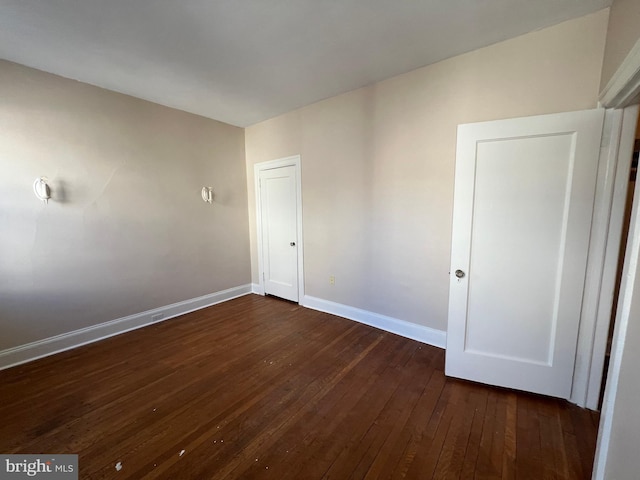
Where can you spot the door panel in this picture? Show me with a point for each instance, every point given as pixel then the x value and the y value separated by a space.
pixel 279 232
pixel 522 215
pixel 506 220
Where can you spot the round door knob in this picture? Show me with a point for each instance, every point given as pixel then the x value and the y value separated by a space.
pixel 293 244
pixel 460 273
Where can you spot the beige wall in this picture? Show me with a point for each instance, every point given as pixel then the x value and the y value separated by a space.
pixel 126 230
pixel 622 35
pixel 378 163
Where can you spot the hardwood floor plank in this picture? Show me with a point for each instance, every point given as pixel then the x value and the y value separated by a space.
pixel 309 395
pixel 236 417
pixel 350 421
pixel 479 406
pixel 486 468
pixel 259 388
pixel 387 425
pixel 457 439
pixel 509 445
pixel 586 436
pixel 578 467
pixel 390 462
pixel 419 424
pixel 553 457
pixel 528 451
pixel 432 441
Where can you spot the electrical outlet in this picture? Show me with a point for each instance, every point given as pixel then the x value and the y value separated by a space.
pixel 332 280
pixel 157 316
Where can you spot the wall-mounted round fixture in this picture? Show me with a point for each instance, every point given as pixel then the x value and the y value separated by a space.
pixel 207 194
pixel 41 189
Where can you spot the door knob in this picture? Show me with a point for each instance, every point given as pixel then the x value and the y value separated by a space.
pixel 460 273
pixel 293 244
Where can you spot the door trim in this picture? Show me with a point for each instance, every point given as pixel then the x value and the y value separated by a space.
pixel 624 301
pixel 293 161
pixel 623 89
pixel 602 262
pixel 621 92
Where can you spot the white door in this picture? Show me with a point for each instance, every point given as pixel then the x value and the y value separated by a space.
pixel 524 194
pixel 279 232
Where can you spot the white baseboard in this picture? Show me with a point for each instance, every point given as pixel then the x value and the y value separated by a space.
pixel 66 341
pixel 257 289
pixel 430 336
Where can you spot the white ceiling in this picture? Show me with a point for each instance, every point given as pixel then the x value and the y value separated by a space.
pixel 243 61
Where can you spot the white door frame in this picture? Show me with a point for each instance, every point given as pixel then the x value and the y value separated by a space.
pixel 293 161
pixel 622 92
pixel 602 263
pixel 618 97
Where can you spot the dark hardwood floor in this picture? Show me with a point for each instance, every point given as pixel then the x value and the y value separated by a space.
pixel 261 388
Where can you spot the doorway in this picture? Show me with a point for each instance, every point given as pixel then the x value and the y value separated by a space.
pixel 622 251
pixel 524 196
pixel 279 228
